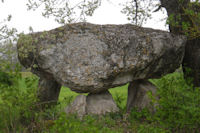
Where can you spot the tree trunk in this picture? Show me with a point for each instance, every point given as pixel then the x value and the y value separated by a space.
pixel 191 61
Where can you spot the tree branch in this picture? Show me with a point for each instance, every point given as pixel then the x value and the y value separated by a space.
pixel 136 11
pixel 159 7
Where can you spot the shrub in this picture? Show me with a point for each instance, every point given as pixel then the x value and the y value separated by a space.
pixel 16 105
pixel 178 108
pixel 88 124
pixel 179 104
pixel 6 78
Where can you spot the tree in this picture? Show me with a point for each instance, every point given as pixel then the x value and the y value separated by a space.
pixel 64 11
pixel 5 31
pixel 7 49
pixel 184 18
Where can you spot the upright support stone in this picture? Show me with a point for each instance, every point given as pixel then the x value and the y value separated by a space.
pixel 138 95
pixel 98 104
pixel 78 106
pixel 48 91
pixel 101 103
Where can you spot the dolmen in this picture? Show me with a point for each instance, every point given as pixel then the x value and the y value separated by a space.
pixel 90 58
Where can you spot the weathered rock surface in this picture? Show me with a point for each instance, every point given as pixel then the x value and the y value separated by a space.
pixel 139 97
pixel 93 58
pixel 101 103
pixel 78 106
pixel 97 104
pixel 48 91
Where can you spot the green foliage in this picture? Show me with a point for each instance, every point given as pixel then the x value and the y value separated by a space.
pixel 65 11
pixel 185 19
pixel 179 107
pixel 119 98
pixel 8 56
pixel 6 78
pixel 89 124
pixel 5 31
pixel 148 128
pixel 16 104
pixel 25 43
pixel 138 11
pixel 178 110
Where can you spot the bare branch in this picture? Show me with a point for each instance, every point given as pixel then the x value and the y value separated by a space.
pixel 136 11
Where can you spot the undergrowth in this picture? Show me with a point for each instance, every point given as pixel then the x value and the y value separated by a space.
pixel 178 109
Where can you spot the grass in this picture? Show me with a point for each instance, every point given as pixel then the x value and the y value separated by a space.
pixel 66 92
pixel 66 95
pixel 117 92
pixel 178 110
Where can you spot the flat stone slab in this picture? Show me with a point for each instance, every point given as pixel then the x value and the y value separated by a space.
pixel 92 58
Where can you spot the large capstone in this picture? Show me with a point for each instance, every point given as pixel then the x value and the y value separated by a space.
pixel 93 58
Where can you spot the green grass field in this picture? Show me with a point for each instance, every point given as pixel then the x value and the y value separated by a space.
pixel 178 110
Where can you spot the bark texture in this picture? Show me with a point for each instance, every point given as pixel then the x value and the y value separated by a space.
pixel 191 65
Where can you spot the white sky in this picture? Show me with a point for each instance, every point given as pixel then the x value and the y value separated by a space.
pixel 106 14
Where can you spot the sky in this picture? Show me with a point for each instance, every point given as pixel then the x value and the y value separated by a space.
pixel 108 13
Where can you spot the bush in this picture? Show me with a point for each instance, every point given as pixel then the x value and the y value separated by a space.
pixel 6 78
pixel 178 110
pixel 16 104
pixel 179 104
pixel 88 124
